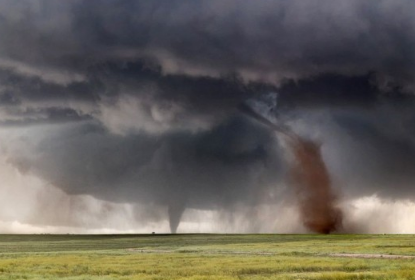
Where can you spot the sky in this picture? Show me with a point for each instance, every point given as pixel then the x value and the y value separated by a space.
pixel 122 116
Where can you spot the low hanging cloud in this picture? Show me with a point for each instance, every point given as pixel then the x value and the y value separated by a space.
pixel 135 102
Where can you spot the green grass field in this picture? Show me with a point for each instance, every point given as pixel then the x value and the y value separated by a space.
pixel 205 257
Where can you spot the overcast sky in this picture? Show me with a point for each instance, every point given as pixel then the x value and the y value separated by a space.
pixel 120 116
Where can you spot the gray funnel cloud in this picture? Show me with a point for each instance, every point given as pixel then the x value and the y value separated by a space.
pixel 175 211
pixel 264 109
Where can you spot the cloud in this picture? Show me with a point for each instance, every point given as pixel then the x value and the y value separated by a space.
pixel 271 39
pixel 370 214
pixel 214 169
pixel 136 101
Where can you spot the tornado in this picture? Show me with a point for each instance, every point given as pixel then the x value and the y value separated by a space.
pixel 312 185
pixel 175 212
pixel 308 174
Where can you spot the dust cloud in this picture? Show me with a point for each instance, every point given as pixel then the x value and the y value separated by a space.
pixel 308 174
pixel 312 185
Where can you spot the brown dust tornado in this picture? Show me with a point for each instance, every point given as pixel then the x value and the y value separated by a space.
pixel 309 177
pixel 312 185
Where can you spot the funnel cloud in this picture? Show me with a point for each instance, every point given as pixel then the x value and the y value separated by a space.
pixel 317 202
pixel 116 113
pixel 308 175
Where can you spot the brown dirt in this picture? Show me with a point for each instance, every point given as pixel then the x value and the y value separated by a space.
pixel 144 251
pixel 372 256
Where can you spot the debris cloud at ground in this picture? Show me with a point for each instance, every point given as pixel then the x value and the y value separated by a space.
pixel 312 185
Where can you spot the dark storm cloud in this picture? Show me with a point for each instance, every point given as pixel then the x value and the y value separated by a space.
pixel 236 162
pixel 49 115
pixel 285 38
pixel 270 41
pixel 212 167
pixel 329 91
pixel 34 89
pixel 146 94
pixel 379 151
pixel 292 38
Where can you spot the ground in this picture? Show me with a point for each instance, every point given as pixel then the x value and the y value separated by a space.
pixel 207 257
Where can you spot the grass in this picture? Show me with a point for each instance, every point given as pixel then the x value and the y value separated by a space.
pixel 203 257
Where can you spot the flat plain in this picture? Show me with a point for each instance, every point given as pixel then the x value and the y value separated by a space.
pixel 207 256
